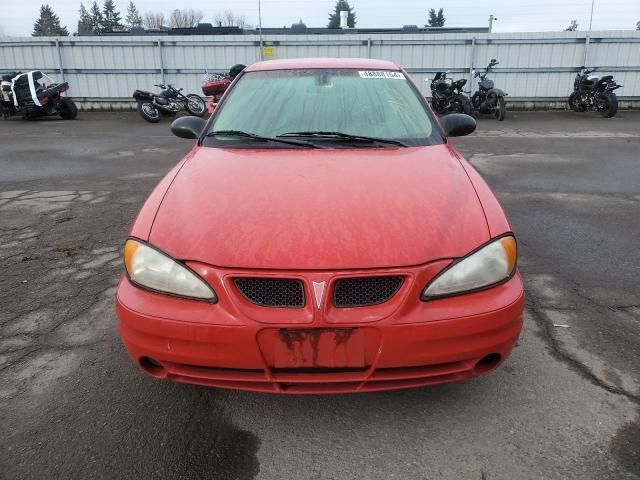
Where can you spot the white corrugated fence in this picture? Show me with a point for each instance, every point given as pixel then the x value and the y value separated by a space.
pixel 534 67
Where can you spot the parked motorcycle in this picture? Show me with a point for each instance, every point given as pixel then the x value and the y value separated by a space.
pixel 213 86
pixel 594 93
pixel 447 96
pixel 34 94
pixel 152 106
pixel 488 99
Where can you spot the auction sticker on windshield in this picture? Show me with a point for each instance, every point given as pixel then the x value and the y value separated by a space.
pixel 381 74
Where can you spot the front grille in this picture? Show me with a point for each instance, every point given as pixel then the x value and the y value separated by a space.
pixel 272 292
pixel 364 291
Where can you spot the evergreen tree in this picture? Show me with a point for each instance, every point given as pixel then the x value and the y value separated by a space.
pixel 133 20
pixel 84 24
pixel 48 24
pixel 110 17
pixel 299 26
pixel 436 19
pixel 96 19
pixel 334 17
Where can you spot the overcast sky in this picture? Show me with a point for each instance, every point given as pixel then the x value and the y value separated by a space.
pixel 17 17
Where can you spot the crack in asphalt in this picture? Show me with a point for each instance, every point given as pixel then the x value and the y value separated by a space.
pixel 545 296
pixel 56 302
pixel 558 352
pixel 52 289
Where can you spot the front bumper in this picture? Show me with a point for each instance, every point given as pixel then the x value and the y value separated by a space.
pixel 421 344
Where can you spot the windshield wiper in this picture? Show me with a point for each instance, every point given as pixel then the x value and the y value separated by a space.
pixel 240 133
pixel 342 136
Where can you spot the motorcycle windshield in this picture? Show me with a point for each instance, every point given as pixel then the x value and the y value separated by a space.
pixel 488 84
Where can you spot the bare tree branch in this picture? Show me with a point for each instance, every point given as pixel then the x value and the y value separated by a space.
pixel 230 19
pixel 154 21
pixel 185 18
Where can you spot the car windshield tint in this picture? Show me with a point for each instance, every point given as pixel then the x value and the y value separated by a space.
pixel 381 104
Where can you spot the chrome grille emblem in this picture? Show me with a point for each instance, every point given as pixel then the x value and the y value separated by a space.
pixel 318 291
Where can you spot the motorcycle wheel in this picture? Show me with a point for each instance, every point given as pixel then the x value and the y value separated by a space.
pixel 148 112
pixel 574 104
pixel 500 111
pixel 610 104
pixel 68 109
pixel 437 109
pixel 466 105
pixel 195 105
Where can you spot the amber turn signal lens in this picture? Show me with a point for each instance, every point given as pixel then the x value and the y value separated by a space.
pixel 130 249
pixel 511 250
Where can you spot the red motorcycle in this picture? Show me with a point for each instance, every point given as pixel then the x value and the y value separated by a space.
pixel 215 84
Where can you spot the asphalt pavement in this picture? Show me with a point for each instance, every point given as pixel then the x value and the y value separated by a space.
pixel 566 405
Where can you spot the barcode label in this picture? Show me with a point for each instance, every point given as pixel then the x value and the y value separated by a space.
pixel 381 74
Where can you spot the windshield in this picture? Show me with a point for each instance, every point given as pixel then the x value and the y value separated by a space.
pixel 379 104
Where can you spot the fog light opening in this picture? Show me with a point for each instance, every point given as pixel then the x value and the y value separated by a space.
pixel 488 363
pixel 152 367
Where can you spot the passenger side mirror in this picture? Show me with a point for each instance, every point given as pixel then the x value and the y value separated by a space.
pixel 457 124
pixel 188 127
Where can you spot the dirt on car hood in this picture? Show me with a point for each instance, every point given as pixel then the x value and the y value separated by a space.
pixel 320 209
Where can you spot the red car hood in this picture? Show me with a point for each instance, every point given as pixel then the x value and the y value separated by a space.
pixel 320 209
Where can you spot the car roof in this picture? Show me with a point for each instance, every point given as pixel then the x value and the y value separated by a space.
pixel 296 63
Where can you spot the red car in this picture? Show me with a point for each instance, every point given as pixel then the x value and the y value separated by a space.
pixel 322 236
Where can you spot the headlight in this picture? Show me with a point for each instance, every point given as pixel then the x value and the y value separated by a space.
pixel 152 269
pixel 488 266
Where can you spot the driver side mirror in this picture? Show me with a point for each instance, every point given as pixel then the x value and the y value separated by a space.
pixel 188 127
pixel 457 124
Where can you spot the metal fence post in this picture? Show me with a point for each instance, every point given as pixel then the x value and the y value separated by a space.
pixel 161 61
pixel 369 47
pixel 587 42
pixel 472 55
pixel 60 66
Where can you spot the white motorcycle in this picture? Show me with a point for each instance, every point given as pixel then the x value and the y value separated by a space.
pixel 34 94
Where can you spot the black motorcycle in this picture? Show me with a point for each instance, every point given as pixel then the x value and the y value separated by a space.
pixel 447 95
pixel 169 102
pixel 488 99
pixel 594 93
pixel 33 94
